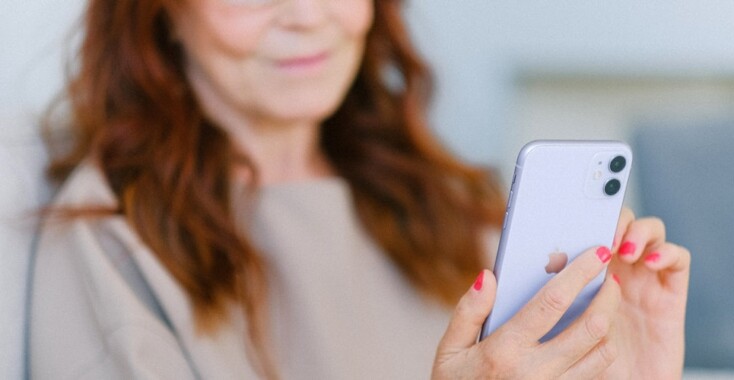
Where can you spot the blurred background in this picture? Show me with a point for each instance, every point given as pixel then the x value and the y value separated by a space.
pixel 657 74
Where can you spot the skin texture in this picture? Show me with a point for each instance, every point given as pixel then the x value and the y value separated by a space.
pixel 269 75
pixel 632 329
pixel 654 293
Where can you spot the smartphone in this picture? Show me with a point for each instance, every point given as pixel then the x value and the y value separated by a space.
pixel 566 197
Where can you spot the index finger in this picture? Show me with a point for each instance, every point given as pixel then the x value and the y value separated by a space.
pixel 626 217
pixel 547 307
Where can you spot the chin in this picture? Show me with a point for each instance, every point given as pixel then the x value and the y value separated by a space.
pixel 307 109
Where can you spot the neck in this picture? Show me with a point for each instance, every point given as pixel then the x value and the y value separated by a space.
pixel 280 150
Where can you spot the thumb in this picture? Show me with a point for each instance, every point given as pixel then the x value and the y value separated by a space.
pixel 469 315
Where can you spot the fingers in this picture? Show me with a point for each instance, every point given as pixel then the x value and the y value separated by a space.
pixel 470 313
pixel 641 235
pixel 626 217
pixel 585 343
pixel 544 310
pixel 595 362
pixel 672 259
pixel 643 246
pixel 644 243
pixel 667 256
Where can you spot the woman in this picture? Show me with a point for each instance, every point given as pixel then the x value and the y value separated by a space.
pixel 252 190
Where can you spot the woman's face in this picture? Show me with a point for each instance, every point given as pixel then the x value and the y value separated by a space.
pixel 275 61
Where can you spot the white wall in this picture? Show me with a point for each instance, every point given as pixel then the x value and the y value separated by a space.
pixel 31 32
pixel 481 46
pixel 32 35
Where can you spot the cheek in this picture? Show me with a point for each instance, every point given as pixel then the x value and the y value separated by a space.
pixel 230 31
pixel 355 16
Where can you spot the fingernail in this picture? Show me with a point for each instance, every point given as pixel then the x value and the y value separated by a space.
pixel 652 258
pixel 604 254
pixel 615 278
pixel 478 282
pixel 627 248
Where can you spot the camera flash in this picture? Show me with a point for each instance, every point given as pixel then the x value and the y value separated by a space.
pixel 597 174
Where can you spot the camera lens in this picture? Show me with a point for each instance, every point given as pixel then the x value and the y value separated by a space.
pixel 612 187
pixel 617 165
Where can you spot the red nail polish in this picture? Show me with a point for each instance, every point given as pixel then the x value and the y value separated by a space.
pixel 479 281
pixel 615 278
pixel 604 254
pixel 652 258
pixel 627 248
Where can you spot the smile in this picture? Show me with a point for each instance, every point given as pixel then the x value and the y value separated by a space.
pixel 303 64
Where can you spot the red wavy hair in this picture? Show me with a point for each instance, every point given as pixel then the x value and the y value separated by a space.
pixel 134 112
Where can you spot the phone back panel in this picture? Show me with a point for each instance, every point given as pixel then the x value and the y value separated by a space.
pixel 557 203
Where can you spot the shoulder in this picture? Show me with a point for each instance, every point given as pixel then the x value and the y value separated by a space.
pixel 87 311
pixel 86 186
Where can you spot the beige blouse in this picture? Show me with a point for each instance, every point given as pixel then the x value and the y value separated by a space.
pixel 104 308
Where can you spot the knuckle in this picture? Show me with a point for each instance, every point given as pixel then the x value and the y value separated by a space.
pixel 657 224
pixel 555 299
pixel 492 360
pixel 607 352
pixel 597 326
pixel 507 349
pixel 463 311
pixel 500 364
pixel 628 214
pixel 649 226
pixel 513 338
pixel 657 221
pixel 685 254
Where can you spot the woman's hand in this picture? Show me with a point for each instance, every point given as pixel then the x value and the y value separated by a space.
pixel 584 350
pixel 653 278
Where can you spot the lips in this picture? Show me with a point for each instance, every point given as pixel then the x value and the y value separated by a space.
pixel 303 63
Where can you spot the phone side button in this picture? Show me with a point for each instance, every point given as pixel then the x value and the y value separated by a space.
pixel 509 200
pixel 504 222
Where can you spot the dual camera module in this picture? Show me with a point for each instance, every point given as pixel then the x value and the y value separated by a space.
pixel 613 186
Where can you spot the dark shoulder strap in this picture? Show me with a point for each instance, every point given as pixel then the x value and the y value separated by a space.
pixel 27 306
pixel 120 258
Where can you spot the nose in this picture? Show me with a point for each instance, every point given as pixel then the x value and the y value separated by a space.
pixel 304 14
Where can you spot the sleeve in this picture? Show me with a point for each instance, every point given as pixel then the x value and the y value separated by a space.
pixel 87 322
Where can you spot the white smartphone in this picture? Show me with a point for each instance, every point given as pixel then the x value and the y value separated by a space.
pixel 566 197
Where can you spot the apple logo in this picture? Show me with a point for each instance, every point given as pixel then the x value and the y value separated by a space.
pixel 556 262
